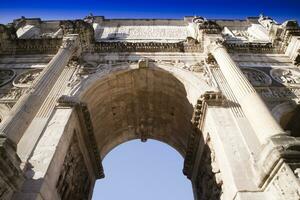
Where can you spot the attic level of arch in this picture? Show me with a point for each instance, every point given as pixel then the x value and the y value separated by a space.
pixel 100 35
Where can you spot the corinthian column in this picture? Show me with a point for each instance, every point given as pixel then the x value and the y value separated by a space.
pixel 28 105
pixel 254 108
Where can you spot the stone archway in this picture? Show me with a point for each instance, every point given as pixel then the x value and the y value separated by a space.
pixel 132 102
pixel 143 170
pixel 139 103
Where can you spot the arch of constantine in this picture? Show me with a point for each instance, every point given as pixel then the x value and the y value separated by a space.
pixel 223 93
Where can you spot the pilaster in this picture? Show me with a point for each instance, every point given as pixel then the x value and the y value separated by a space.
pixel 200 164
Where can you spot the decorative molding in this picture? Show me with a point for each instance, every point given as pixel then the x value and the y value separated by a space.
pixel 207 26
pixel 87 125
pixel 256 77
pixel 30 46
pixel 287 77
pixel 74 181
pixel 11 95
pixel 252 47
pixel 189 45
pixel 209 181
pixel 208 98
pixel 27 78
pixel 6 76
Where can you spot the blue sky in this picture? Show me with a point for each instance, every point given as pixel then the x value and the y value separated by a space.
pixel 143 171
pixel 62 9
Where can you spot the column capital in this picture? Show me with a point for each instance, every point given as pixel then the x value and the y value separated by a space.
pixel 71 42
pixel 216 44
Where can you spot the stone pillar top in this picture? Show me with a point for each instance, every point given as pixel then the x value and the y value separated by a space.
pixel 71 42
pixel 215 44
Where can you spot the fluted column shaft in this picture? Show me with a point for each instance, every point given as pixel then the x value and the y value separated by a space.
pixel 28 105
pixel 253 106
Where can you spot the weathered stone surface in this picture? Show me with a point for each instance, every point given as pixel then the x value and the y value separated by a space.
pixel 223 93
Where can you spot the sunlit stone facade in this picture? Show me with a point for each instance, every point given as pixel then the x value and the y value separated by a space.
pixel 223 93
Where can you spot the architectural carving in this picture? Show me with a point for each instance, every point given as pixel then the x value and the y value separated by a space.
pixel 11 176
pixel 84 116
pixel 6 75
pixel 278 94
pixel 207 26
pixel 209 180
pixel 288 77
pixel 266 22
pixel 257 77
pixel 74 181
pixel 11 95
pixel 184 46
pixel 205 87
pixel 209 98
pixel 26 79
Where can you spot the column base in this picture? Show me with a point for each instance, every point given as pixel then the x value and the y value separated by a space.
pixel 280 152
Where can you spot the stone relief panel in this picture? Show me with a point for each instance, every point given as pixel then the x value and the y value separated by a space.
pixel 26 79
pixel 74 181
pixel 278 93
pixel 287 77
pixel 257 77
pixel 142 33
pixel 272 76
pixel 6 75
pixel 15 82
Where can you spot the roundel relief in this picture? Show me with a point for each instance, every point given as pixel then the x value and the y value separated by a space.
pixel 257 77
pixel 6 75
pixel 287 77
pixel 27 78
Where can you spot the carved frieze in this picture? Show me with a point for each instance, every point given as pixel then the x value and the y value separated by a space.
pixel 252 47
pixel 74 181
pixel 26 79
pixel 278 93
pixel 257 77
pixel 287 77
pixel 11 95
pixel 185 46
pixel 6 75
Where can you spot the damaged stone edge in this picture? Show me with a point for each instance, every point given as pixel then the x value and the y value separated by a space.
pixel 86 123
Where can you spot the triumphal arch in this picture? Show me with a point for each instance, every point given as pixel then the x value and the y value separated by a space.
pixel 223 93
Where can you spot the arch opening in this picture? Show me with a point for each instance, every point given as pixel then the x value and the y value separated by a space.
pixel 143 171
pixel 128 102
pixel 141 103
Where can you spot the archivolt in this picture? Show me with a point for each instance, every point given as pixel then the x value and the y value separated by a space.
pixel 127 102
